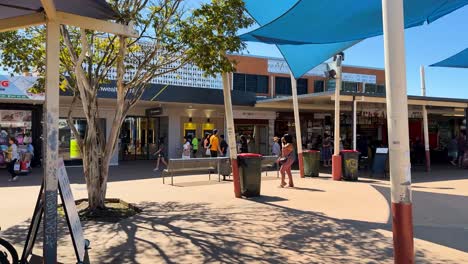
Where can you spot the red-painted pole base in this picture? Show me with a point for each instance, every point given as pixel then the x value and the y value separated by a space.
pixel 403 233
pixel 336 167
pixel 428 161
pixel 301 165
pixel 236 178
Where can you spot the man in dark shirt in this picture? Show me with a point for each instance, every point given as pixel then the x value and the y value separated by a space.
pixel 224 146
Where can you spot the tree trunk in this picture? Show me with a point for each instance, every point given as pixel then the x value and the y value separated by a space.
pixel 92 167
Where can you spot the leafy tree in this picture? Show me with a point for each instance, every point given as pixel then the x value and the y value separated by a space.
pixel 169 38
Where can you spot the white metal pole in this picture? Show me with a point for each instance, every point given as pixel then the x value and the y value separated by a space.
pixel 425 121
pixel 231 134
pixel 398 132
pixel 51 120
pixel 297 122
pixel 336 159
pixel 354 123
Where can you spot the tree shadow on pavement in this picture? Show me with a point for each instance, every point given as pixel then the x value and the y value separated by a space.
pixel 259 231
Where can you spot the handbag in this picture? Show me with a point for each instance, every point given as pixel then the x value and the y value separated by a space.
pixel 282 160
pixel 17 167
pixel 208 152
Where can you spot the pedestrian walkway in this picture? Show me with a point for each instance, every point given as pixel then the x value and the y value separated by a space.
pixel 319 221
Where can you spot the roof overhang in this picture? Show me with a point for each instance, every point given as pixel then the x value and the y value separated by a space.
pixel 50 13
pixel 325 101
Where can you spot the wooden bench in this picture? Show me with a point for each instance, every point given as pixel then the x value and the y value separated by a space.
pixel 192 165
pixel 269 162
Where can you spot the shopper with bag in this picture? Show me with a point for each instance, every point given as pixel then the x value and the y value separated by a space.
pixel 286 160
pixel 206 146
pixel 13 165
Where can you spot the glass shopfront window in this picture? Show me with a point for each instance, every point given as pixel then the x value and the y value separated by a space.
pixel 139 137
pixel 68 145
pixel 17 124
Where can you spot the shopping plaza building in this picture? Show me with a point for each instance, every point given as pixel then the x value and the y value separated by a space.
pixel 186 102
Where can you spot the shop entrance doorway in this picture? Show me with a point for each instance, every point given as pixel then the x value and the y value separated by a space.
pixel 139 137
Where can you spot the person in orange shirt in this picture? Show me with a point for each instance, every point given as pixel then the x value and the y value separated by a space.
pixel 214 144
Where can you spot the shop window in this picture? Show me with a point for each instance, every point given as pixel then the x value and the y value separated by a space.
pixel 68 145
pixel 17 124
pixel 250 83
pixel 375 89
pixel 283 86
pixel 350 87
pixel 319 86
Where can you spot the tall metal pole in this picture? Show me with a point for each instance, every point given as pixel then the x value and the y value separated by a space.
pixel 336 159
pixel 398 132
pixel 354 123
pixel 51 121
pixel 231 134
pixel 297 122
pixel 425 121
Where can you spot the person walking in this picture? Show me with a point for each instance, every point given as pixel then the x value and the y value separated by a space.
pixel 326 151
pixel 160 154
pixel 195 146
pixel 453 150
pixel 14 157
pixel 214 144
pixel 286 160
pixel 224 146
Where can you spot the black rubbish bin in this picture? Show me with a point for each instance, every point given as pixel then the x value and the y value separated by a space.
pixel 250 172
pixel 311 163
pixel 350 164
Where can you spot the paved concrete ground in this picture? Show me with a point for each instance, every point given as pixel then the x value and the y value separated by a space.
pixel 196 221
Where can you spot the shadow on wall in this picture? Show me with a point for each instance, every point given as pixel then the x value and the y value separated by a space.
pixel 200 233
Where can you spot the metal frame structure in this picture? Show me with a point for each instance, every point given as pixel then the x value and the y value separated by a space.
pixel 52 20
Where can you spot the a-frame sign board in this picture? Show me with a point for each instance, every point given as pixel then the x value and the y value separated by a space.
pixel 73 220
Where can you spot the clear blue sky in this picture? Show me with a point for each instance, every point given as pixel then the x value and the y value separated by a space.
pixel 424 45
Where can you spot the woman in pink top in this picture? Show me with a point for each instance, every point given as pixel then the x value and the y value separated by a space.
pixel 286 160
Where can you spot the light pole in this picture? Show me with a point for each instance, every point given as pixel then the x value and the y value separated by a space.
pixel 425 121
pixel 398 136
pixel 336 159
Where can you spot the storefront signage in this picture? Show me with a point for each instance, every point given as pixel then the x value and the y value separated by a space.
pixel 280 66
pixel 19 87
pixel 359 78
pixel 154 112
pixel 190 126
pixel 254 115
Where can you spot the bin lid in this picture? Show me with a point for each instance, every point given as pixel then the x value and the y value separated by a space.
pixel 310 151
pixel 250 155
pixel 349 151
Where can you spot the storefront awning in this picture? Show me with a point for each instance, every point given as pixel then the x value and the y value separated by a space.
pixel 459 60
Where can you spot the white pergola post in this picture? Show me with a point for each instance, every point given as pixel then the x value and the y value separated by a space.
pixel 51 120
pixel 425 121
pixel 297 126
pixel 336 159
pixel 398 132
pixel 231 134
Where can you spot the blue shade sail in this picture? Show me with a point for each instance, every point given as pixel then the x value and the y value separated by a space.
pixel 331 21
pixel 89 8
pixel 459 60
pixel 300 58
